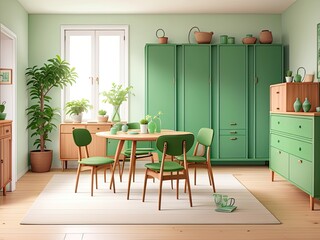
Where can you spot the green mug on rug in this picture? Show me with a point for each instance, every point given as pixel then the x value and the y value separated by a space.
pixel 222 200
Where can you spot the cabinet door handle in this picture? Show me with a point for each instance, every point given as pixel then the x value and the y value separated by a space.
pixel 300 161
pixel 278 108
pixel 233 132
pixel 233 124
pixel 1 161
pixel 233 139
pixel 277 92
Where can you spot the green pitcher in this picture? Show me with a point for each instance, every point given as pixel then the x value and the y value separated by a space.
pixel 2 107
pixel 298 77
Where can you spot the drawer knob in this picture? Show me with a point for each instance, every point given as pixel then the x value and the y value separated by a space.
pixel 278 141
pixel 277 92
pixel 233 132
pixel 1 161
pixel 278 122
pixel 278 109
pixel 98 128
pixel 73 127
pixel 7 131
pixel 299 126
pixel 233 138
pixel 300 149
pixel 279 152
pixel 300 161
pixel 233 124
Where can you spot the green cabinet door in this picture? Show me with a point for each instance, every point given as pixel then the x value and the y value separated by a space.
pixel 268 69
pixel 232 87
pixel 197 83
pixel 160 66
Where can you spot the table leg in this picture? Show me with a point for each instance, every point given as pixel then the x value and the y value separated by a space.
pixel 116 161
pixel 132 165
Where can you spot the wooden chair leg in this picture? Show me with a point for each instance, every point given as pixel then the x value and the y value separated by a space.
pixel 177 185
pixel 77 178
pixel 195 175
pixel 96 174
pixel 189 189
pixel 160 194
pixel 92 177
pixel 211 178
pixel 145 185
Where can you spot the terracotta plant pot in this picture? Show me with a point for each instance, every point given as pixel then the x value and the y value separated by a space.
pixel 40 161
pixel 162 39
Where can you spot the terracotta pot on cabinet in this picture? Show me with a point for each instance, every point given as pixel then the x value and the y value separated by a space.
pixel 265 37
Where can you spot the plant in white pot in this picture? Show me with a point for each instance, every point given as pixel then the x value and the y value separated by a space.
pixel 56 73
pixel 76 108
pixel 115 97
pixel 289 76
pixel 102 116
pixel 144 125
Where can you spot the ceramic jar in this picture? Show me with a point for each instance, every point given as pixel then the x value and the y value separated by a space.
pixel 265 37
pixel 297 105
pixel 151 127
pixel 124 128
pixel 223 39
pixel 306 105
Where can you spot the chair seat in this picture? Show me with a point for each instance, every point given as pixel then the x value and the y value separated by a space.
pixel 168 166
pixel 198 159
pixel 96 161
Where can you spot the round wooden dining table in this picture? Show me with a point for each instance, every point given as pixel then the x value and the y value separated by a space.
pixel 134 136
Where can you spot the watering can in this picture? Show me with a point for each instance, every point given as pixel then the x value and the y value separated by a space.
pixel 298 77
pixel 2 107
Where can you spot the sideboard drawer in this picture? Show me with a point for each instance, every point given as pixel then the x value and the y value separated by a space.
pixel 295 147
pixel 279 161
pixel 301 173
pixel 66 128
pixel 298 126
pixel 98 128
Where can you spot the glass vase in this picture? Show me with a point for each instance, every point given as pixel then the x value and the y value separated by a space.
pixel 297 105
pixel 157 121
pixel 116 114
pixel 306 106
pixel 151 127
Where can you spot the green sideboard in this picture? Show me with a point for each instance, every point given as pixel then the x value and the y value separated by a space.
pixel 295 150
pixel 224 87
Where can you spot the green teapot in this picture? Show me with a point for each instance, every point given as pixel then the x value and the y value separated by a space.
pixel 298 77
pixel 2 107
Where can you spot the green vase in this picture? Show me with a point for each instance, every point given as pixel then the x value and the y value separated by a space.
pixel 157 121
pixel 116 114
pixel 297 105
pixel 306 105
pixel 151 127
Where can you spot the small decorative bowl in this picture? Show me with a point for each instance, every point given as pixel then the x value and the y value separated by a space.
pixel 249 40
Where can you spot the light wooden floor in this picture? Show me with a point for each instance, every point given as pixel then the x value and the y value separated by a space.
pixel 289 204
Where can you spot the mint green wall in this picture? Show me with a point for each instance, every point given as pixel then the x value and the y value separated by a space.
pixel 14 17
pixel 44 41
pixel 299 27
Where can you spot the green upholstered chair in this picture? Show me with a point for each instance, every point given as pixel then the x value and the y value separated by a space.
pixel 167 169
pixel 82 138
pixel 201 154
pixel 141 152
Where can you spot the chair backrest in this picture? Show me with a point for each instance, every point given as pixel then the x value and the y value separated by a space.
pixel 205 136
pixel 133 125
pixel 175 143
pixel 81 137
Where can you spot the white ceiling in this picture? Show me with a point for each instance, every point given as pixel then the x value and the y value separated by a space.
pixel 155 6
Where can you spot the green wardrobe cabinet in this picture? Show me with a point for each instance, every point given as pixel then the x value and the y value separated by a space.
pixel 232 82
pixel 160 71
pixel 224 87
pixel 295 150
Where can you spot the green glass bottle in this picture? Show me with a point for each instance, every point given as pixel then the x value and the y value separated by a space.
pixel 297 105
pixel 306 105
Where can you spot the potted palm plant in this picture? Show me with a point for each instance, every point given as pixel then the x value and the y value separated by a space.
pixel 115 97
pixel 76 108
pixel 56 73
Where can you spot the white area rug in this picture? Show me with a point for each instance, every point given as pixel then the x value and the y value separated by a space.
pixel 58 204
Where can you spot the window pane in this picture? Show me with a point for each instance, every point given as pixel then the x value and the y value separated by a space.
pixel 80 58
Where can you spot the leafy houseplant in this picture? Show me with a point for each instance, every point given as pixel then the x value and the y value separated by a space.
pixel 75 108
pixel 102 116
pixel 289 77
pixel 56 73
pixel 144 125
pixel 115 97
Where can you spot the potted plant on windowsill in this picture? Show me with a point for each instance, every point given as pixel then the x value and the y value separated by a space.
pixel 76 108
pixel 40 80
pixel 102 116
pixel 116 96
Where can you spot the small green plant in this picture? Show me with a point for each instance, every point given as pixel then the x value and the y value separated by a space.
pixel 102 112
pixel 76 107
pixel 289 73
pixel 116 95
pixel 144 121
pixel 149 117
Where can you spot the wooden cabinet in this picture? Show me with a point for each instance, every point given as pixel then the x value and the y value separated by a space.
pixel 5 154
pixel 295 150
pixel 68 149
pixel 284 95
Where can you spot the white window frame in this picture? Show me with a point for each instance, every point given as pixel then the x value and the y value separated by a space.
pixel 124 28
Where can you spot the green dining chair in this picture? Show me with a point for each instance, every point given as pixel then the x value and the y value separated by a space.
pixel 141 152
pixel 82 138
pixel 166 169
pixel 201 155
